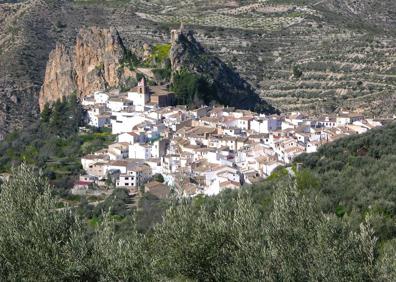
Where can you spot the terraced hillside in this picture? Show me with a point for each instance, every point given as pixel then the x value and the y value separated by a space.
pixel 341 69
pixel 344 63
pixel 343 52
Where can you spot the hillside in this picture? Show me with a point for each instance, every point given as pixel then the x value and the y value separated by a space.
pixel 356 176
pixel 345 50
pixel 285 228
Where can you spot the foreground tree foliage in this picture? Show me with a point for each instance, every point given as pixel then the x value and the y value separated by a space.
pixel 37 242
pixel 225 240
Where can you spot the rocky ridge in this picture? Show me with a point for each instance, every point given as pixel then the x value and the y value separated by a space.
pixel 188 54
pixel 96 63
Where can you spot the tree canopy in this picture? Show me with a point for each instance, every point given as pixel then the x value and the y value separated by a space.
pixel 219 240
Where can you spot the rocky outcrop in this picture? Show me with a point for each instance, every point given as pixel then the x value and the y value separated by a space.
pixel 59 78
pixel 30 31
pixel 232 90
pixel 98 54
pixel 93 64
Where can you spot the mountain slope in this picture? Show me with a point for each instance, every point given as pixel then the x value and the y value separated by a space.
pixel 356 176
pixel 187 54
pixel 346 50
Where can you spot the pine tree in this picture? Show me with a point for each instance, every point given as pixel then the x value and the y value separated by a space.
pixel 46 113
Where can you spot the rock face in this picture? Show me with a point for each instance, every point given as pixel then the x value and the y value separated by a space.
pixel 59 78
pixel 98 55
pixel 93 64
pixel 232 90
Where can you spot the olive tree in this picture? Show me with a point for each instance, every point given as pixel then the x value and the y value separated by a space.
pixel 116 258
pixel 37 241
pixel 307 245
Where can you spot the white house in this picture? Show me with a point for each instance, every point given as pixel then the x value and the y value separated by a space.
pixel 302 137
pixel 88 101
pixel 244 123
pixel 296 119
pixel 265 124
pixel 128 137
pixel 98 169
pixel 140 151
pixel 122 122
pixel 158 149
pixel 88 160
pixel 116 104
pixel 232 131
pixel 135 176
pixel 216 176
pixel 97 117
pixel 327 122
pixel 270 166
pixel 155 165
pixel 100 121
pixel 171 163
pixel 346 118
pixel 287 125
pixel 357 128
pixel 201 112
pixel 118 151
pixel 312 147
pixel 120 165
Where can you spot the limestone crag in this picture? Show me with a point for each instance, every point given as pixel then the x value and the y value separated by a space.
pixel 93 64
pixel 98 54
pixel 59 78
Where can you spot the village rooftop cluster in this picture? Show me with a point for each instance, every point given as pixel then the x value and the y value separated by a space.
pixel 200 151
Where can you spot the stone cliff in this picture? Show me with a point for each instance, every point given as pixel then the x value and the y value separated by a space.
pixel 96 62
pixel 93 64
pixel 59 78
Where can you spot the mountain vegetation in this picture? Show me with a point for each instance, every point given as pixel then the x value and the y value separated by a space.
pixel 356 177
pixel 53 143
pixel 194 242
pixel 193 90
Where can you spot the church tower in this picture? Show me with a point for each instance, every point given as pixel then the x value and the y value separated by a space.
pixel 142 86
